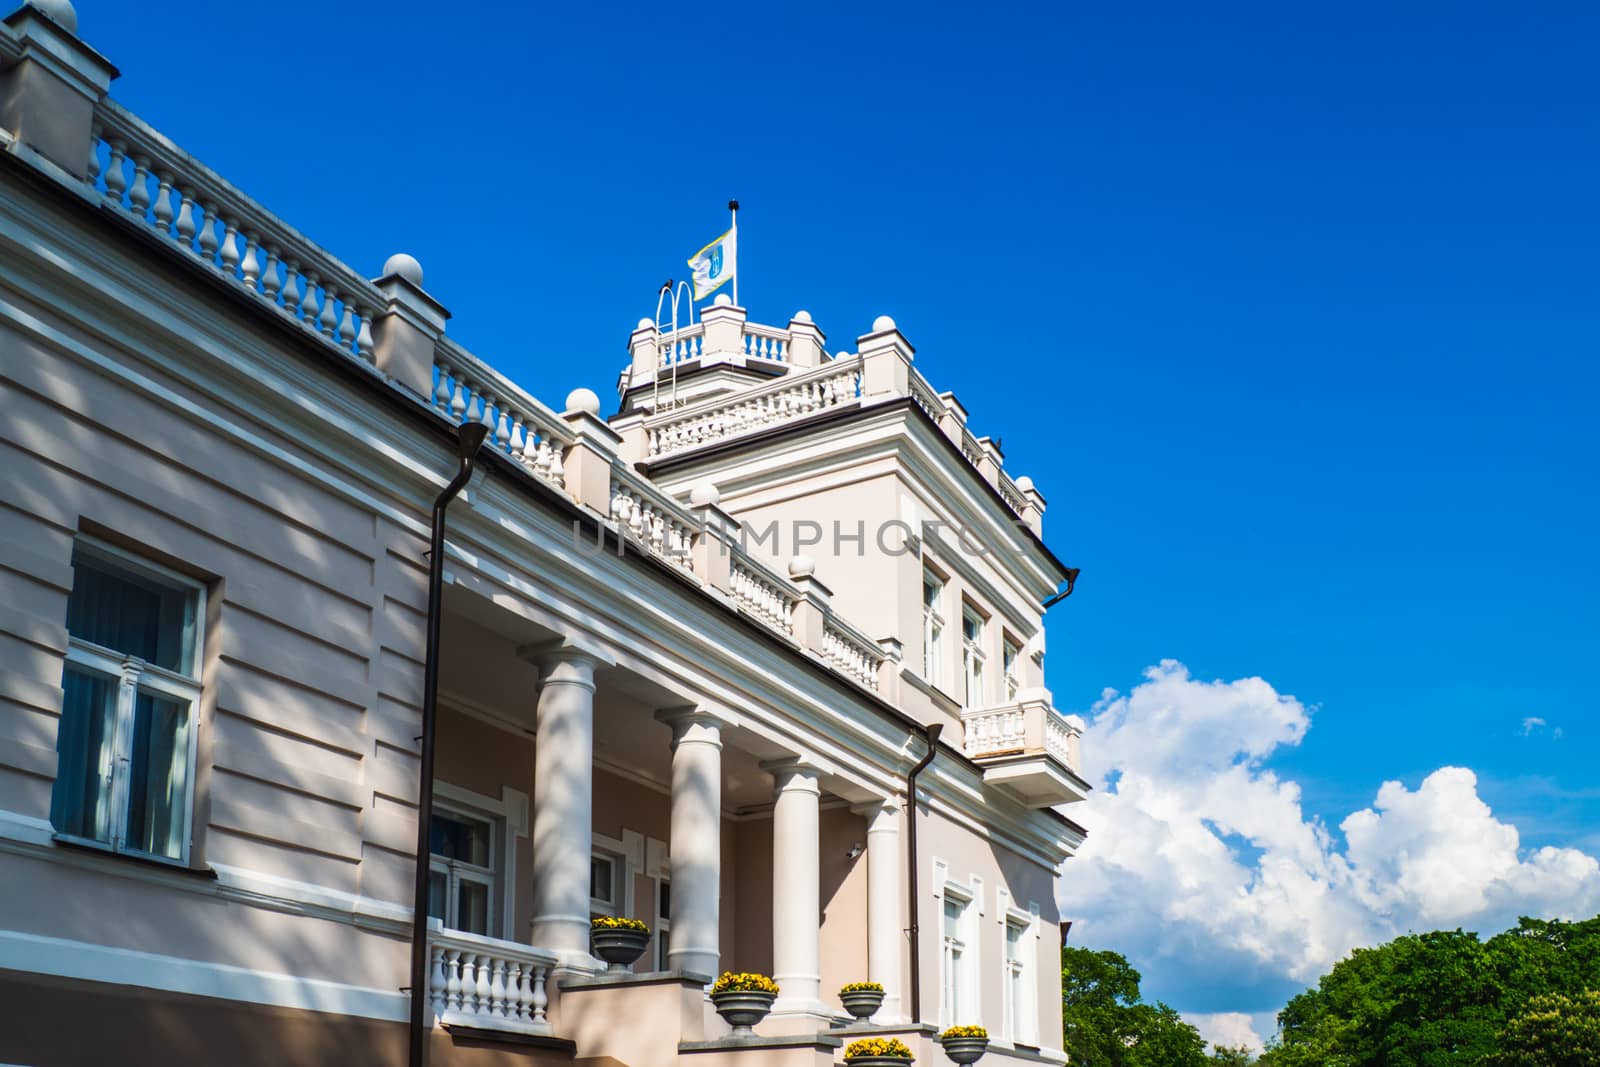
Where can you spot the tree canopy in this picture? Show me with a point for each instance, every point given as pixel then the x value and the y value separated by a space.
pixel 1108 1024
pixel 1449 999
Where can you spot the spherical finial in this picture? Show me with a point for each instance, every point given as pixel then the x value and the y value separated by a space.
pixel 645 324
pixel 1024 484
pixel 405 266
pixel 802 566
pixel 882 324
pixel 723 300
pixel 583 400
pixel 704 495
pixel 802 316
pixel 60 12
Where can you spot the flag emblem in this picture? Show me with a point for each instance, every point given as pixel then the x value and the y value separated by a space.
pixel 715 264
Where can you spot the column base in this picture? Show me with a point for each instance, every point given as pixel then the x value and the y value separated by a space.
pixel 797 1016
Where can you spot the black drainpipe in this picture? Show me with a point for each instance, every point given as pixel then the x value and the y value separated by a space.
pixel 467 445
pixel 932 733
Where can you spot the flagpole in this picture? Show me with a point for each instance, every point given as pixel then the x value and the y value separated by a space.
pixel 733 209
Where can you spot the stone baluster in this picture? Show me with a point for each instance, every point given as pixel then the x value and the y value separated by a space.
pixel 269 277
pixel 230 249
pixel 441 388
pixel 328 321
pixel 139 193
pixel 347 325
pixel 489 401
pixel 186 222
pixel 458 402
pixel 116 180
pixel 437 983
pixel 291 286
pixel 540 999
pixel 497 989
pixel 308 305
pixel 502 428
pixel 518 443
pixel 452 989
pixel 208 234
pixel 250 268
pixel 163 204
pixel 364 343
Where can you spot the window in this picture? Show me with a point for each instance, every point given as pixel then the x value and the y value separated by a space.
pixel 663 923
pixel 605 879
pixel 1010 667
pixel 955 962
pixel 1016 980
pixel 972 656
pixel 932 629
pixel 461 871
pixel 126 742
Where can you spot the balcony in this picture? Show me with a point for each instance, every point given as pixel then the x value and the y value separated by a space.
pixel 1027 749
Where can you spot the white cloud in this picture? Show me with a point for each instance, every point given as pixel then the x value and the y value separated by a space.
pixel 1530 724
pixel 1231 1028
pixel 1203 868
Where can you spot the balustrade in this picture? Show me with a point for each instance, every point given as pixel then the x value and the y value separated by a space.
pixel 206 216
pixel 467 390
pixel 761 593
pixel 793 397
pixel 851 654
pixel 488 984
pixel 657 523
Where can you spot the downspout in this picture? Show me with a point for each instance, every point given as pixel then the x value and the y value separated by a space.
pixel 467 445
pixel 932 733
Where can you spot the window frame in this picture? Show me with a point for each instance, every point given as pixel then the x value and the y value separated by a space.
pixel 1017 977
pixel 957 971
pixel 619 867
pixel 130 675
pixel 1010 666
pixel 663 926
pixel 933 626
pixel 455 871
pixel 974 657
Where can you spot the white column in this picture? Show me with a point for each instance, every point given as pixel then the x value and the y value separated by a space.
pixel 696 840
pixel 885 904
pixel 796 889
pixel 563 781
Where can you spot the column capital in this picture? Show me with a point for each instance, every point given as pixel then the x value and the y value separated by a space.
pixel 879 810
pixel 794 774
pixel 549 655
pixel 693 722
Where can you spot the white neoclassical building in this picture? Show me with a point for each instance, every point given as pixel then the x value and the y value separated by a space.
pixel 690 656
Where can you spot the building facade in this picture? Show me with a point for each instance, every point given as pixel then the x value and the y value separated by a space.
pixel 689 655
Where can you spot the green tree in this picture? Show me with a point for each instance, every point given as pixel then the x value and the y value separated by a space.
pixel 1107 1024
pixel 1552 1031
pixel 1231 1056
pixel 1438 999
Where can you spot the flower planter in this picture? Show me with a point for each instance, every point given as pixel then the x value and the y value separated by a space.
pixel 878 1061
pixel 619 946
pixel 965 1050
pixel 742 1010
pixel 862 1003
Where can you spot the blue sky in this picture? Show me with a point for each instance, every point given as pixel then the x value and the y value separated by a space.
pixel 1290 313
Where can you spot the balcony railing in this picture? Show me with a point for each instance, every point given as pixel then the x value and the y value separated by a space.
pixel 794 396
pixel 488 984
pixel 1028 727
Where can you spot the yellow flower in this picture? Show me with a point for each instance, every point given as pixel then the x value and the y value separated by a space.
pixel 964 1031
pixel 878 1046
pixel 862 987
pixel 744 982
pixel 618 922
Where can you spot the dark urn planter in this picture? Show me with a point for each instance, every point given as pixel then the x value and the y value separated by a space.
pixel 862 1003
pixel 742 1010
pixel 619 947
pixel 965 1050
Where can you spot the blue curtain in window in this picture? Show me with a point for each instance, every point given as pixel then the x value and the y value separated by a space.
pixel 80 802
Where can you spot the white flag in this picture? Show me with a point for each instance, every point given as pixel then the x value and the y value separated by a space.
pixel 715 264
